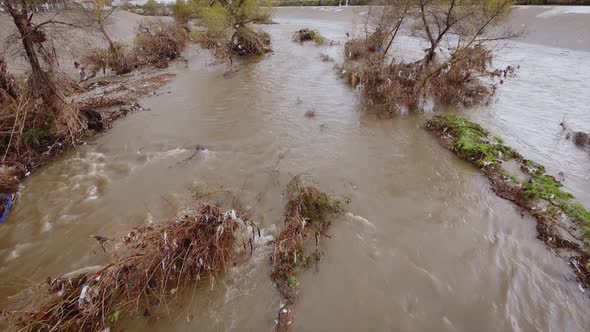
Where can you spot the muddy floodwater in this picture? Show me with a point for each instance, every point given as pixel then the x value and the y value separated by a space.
pixel 425 245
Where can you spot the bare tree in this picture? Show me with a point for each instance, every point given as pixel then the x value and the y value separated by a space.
pixel 95 16
pixel 465 20
pixel 458 34
pixel 31 34
pixel 41 85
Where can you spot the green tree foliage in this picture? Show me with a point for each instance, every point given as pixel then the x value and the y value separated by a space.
pixel 184 10
pixel 151 7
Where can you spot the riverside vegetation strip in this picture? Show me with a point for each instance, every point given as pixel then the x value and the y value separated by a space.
pixel 308 215
pixel 563 224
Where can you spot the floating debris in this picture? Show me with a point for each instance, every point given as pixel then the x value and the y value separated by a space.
pixel 147 266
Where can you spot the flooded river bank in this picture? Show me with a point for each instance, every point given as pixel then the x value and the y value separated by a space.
pixel 426 245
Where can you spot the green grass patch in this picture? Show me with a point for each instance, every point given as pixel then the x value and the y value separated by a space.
pixel 310 202
pixel 471 140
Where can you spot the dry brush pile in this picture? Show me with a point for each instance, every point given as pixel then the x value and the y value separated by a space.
pixel 146 269
pixel 562 223
pixel 30 128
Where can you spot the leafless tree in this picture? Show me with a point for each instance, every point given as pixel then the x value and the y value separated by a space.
pixel 32 33
pixel 95 16
pixel 35 33
pixel 469 22
pixel 458 34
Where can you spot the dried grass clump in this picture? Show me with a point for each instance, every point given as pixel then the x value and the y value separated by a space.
pixel 306 214
pixel 158 42
pixel 581 139
pixel 8 180
pixel 360 48
pixel 307 34
pixel 459 81
pixel 247 41
pixel 8 84
pixel 117 60
pixel 146 268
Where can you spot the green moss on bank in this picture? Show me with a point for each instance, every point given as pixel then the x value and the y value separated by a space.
pixel 472 142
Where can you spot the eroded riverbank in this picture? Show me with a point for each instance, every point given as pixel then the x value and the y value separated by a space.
pixel 427 246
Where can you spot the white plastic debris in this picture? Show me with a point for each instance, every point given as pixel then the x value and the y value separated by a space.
pixel 83 294
pixel 231 214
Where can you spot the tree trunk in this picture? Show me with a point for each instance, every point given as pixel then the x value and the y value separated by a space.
pixel 44 87
pixel 107 37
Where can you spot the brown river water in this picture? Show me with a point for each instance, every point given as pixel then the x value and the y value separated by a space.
pixel 426 245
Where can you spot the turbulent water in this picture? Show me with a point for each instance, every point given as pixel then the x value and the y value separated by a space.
pixel 426 245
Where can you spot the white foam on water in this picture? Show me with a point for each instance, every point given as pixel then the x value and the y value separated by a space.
pixel 16 252
pixel 47 226
pixel 92 193
pixel 360 219
pixel 556 11
pixel 169 153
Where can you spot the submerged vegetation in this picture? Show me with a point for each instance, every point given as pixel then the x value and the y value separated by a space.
pixel 539 194
pixel 307 215
pixel 229 28
pixel 146 269
pixel 307 34
pixel 472 142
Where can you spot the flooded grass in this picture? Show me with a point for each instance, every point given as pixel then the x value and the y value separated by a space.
pixel 307 34
pixel 472 142
pixel 539 193
pixel 307 215
pixel 307 218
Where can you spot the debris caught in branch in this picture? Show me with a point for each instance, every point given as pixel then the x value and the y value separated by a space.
pixel 146 267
